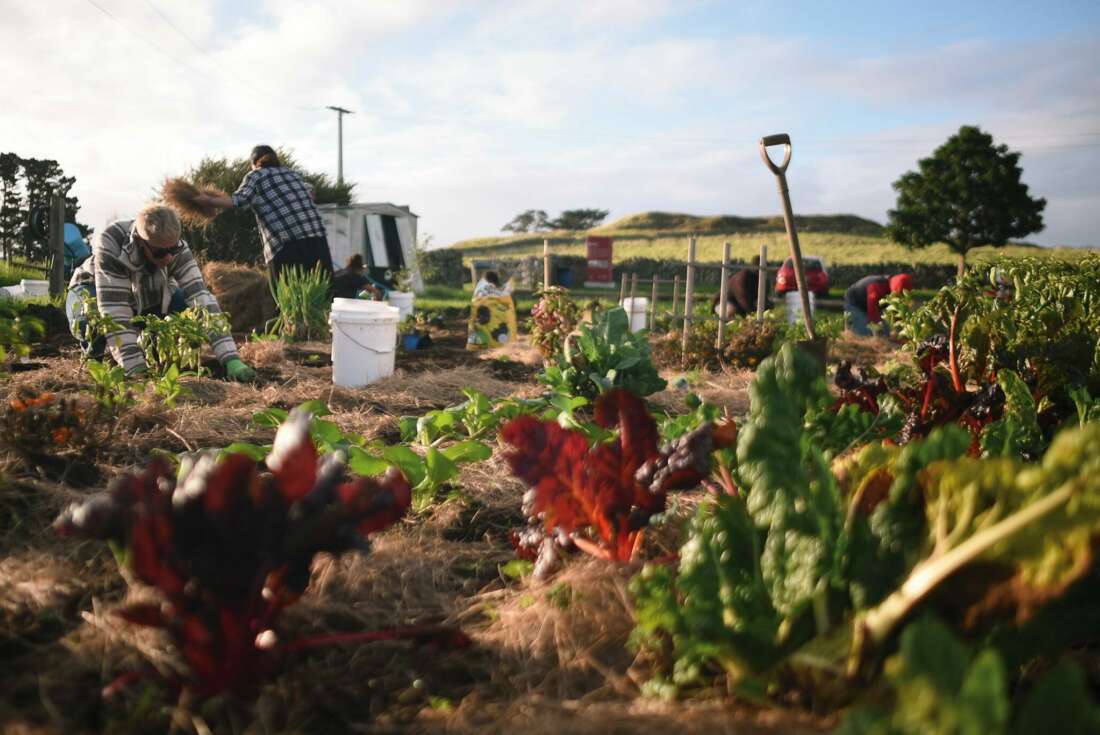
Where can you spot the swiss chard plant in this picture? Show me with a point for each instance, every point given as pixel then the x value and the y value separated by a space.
pixel 553 317
pixel 807 563
pixel 604 355
pixel 228 549
pixel 600 497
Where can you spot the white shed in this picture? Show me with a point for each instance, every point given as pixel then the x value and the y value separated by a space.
pixel 384 234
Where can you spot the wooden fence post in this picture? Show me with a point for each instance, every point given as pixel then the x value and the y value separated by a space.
pixel 545 263
pixel 689 296
pixel 57 242
pixel 675 296
pixel 653 305
pixel 473 275
pixel 762 285
pixel 622 289
pixel 723 296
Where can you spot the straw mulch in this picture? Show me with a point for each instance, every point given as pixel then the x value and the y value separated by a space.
pixel 180 195
pixel 242 292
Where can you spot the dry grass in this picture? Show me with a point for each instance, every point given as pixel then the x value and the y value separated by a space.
pixel 180 195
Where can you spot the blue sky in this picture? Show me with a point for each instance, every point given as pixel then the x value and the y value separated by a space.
pixel 471 111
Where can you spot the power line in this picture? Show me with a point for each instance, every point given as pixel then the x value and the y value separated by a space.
pixel 195 45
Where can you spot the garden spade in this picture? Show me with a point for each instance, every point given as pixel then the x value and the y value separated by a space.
pixel 814 344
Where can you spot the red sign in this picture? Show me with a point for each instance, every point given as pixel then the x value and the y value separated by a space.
pixel 599 271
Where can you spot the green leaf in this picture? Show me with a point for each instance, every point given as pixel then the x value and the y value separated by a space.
pixel 517 568
pixel 1060 703
pixel 315 407
pixel 361 463
pixel 468 451
pixel 440 468
pixel 255 451
pixel 272 417
pixel 409 462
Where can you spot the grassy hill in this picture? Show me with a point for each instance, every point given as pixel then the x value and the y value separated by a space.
pixel 839 238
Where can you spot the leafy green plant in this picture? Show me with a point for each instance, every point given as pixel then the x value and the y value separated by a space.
pixel 176 340
pixel 167 386
pixel 604 355
pixel 17 330
pixel 800 561
pixel 110 387
pixel 942 688
pixel 303 298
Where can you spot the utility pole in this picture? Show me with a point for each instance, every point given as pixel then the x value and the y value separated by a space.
pixel 340 112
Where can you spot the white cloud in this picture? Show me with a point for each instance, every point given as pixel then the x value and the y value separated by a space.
pixel 471 113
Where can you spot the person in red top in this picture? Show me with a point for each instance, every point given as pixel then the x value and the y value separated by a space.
pixel 861 300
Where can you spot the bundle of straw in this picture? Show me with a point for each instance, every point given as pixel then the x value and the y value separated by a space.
pixel 181 194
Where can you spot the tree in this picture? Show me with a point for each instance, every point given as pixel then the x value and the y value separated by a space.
pixel 532 220
pixel 12 213
pixel 579 219
pixel 967 194
pixel 233 235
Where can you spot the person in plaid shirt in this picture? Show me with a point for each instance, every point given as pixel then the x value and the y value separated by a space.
pixel 140 267
pixel 290 225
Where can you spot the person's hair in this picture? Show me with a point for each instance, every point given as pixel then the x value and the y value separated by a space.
pixel 264 156
pixel 492 277
pixel 156 222
pixel 355 262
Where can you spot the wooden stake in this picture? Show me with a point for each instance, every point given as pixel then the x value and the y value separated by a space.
pixel 762 286
pixel 676 296
pixel 622 289
pixel 653 305
pixel 545 263
pixel 723 296
pixel 689 297
pixel 57 242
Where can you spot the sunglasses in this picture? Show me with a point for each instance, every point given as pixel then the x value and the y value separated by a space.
pixel 160 252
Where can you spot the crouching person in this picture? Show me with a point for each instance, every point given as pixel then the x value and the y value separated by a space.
pixel 141 267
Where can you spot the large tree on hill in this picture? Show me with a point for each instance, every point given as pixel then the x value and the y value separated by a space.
pixel 531 220
pixel 579 219
pixel 968 193
pixel 233 235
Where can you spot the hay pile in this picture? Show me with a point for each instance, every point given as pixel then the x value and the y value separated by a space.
pixel 242 291
pixel 181 194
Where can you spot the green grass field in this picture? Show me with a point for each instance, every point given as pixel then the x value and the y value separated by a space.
pixel 669 240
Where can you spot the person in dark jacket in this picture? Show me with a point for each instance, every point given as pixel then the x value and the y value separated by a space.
pixel 741 289
pixel 350 280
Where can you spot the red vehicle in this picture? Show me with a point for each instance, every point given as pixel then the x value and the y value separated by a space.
pixel 817 278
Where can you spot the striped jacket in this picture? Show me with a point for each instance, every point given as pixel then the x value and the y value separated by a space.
pixel 128 285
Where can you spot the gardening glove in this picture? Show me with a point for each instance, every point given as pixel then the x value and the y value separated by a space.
pixel 237 370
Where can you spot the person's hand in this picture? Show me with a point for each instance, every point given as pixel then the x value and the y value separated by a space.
pixel 238 371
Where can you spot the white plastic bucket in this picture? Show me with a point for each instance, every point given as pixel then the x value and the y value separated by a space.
pixel 32 288
pixel 364 338
pixel 12 292
pixel 403 300
pixel 637 310
pixel 794 306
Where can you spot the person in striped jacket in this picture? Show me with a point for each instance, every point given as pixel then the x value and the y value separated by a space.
pixel 140 267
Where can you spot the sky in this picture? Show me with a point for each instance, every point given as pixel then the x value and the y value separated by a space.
pixel 471 111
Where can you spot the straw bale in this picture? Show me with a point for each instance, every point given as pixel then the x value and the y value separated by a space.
pixel 242 292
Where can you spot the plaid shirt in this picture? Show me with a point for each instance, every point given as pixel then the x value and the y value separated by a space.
pixel 127 286
pixel 283 209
